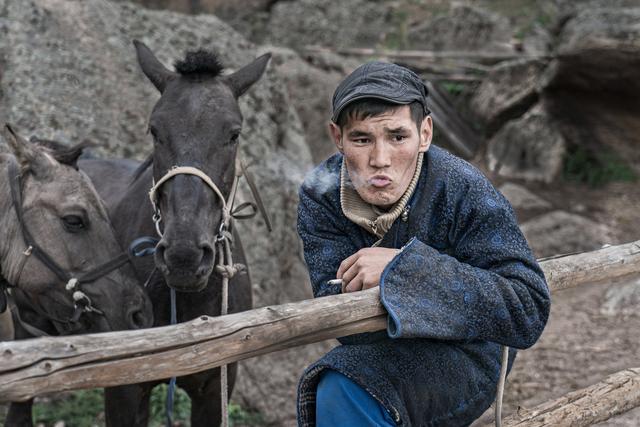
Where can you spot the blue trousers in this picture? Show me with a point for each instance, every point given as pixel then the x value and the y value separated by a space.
pixel 342 402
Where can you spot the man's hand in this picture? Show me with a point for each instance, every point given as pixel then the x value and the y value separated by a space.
pixel 363 269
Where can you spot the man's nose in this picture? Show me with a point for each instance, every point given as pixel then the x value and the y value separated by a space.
pixel 380 157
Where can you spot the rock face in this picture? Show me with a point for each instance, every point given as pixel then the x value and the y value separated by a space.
pixel 69 72
pixel 329 23
pixel 311 89
pixel 508 91
pixel 528 148
pixel 560 232
pixel 464 28
pixel 599 49
pixel 521 198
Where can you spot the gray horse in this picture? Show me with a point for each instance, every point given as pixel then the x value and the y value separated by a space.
pixel 59 256
pixel 195 123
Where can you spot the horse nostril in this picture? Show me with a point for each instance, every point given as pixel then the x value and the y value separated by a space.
pixel 137 319
pixel 208 255
pixel 161 253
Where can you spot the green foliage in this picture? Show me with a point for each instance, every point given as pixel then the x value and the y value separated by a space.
pixel 157 405
pixel 453 88
pixel 240 416
pixel 595 168
pixel 83 408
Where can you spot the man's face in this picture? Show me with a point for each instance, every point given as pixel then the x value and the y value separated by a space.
pixel 381 153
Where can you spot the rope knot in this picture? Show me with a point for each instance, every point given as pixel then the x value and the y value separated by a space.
pixel 229 271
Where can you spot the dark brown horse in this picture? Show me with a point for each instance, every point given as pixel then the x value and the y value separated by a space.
pixel 56 251
pixel 195 123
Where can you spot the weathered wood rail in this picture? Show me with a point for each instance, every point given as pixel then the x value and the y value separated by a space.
pixel 33 367
pixel 617 394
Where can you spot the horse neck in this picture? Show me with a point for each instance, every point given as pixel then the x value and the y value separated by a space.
pixel 11 241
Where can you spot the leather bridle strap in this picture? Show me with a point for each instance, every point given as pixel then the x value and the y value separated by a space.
pixel 16 196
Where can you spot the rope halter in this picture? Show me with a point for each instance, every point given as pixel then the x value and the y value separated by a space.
pixel 190 170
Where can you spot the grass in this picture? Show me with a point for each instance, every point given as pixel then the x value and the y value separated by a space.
pixel 85 408
pixel 596 168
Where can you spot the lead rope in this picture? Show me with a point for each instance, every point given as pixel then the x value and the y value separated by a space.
pixel 501 382
pixel 140 242
pixel 225 266
pixel 227 270
pixel 172 382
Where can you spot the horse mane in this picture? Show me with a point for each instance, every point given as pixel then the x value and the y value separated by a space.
pixel 199 63
pixel 67 155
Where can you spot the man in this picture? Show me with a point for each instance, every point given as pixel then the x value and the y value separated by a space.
pixel 455 273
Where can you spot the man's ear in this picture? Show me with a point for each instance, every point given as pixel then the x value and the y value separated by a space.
pixel 426 133
pixel 336 135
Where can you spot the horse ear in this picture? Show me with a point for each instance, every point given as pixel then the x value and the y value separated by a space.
pixel 157 73
pixel 28 154
pixel 242 79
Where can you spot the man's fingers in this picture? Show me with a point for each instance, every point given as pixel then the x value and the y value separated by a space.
pixel 346 264
pixel 370 283
pixel 351 273
pixel 355 284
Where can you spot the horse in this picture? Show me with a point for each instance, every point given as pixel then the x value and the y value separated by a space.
pixel 59 256
pixel 195 124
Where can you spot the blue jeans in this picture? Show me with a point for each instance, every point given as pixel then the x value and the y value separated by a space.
pixel 342 402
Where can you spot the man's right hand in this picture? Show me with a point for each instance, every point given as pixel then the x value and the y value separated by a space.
pixel 363 269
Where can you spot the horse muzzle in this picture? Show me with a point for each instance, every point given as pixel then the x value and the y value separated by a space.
pixel 185 267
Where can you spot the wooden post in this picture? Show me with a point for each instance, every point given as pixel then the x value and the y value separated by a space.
pixel 43 365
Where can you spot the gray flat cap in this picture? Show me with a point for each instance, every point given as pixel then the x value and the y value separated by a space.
pixel 382 80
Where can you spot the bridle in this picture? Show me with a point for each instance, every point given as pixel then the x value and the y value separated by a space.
pixel 73 284
pixel 227 213
pixel 224 242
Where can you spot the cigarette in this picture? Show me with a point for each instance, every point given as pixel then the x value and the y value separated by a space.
pixel 334 282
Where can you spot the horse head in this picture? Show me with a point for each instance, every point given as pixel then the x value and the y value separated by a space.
pixel 58 249
pixel 196 124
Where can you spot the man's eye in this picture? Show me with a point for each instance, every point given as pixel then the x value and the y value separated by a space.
pixel 399 138
pixel 361 140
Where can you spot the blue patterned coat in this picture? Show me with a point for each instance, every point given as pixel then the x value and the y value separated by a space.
pixel 464 283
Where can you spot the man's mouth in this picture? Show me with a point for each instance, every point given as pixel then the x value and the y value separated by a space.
pixel 380 181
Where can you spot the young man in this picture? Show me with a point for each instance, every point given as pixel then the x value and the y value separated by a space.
pixel 455 273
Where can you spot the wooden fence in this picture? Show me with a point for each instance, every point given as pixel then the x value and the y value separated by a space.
pixel 38 366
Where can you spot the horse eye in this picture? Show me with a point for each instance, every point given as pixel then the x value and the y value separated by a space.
pixel 73 223
pixel 234 138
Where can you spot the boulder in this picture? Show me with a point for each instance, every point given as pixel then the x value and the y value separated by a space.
pixel 598 49
pixel 560 232
pixel 335 23
pixel 463 28
pixel 507 92
pixel 529 148
pixel 69 72
pixel 521 198
pixel 311 87
pixel 222 8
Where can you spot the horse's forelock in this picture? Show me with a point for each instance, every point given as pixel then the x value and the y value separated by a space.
pixel 200 62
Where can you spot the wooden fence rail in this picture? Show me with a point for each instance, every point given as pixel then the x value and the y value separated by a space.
pixel 32 367
pixel 617 394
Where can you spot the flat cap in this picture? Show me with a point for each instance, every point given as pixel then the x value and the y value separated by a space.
pixel 382 80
